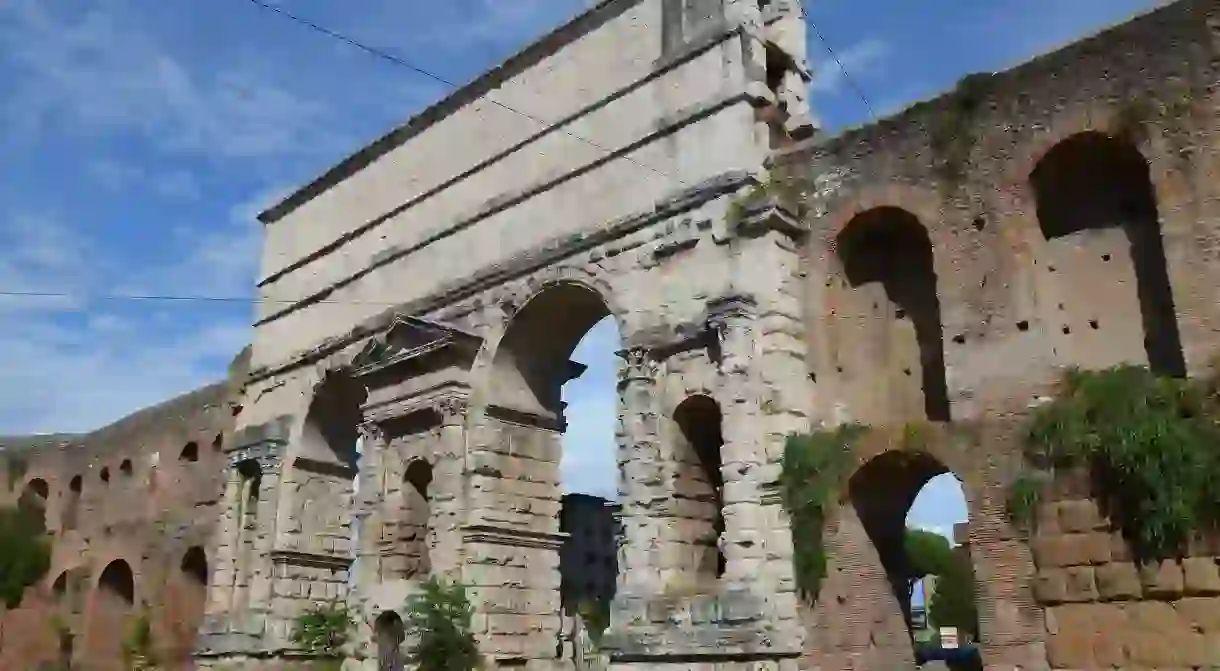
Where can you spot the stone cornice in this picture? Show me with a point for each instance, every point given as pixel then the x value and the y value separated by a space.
pixel 546 254
pixel 497 535
pixel 298 558
pixel 665 127
pixel 545 47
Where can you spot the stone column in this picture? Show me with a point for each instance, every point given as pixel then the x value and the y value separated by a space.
pixel 366 569
pixel 643 485
pixel 732 320
pixel 448 495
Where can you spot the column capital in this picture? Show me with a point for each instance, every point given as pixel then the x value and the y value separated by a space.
pixel 639 363
pixel 452 409
pixel 371 432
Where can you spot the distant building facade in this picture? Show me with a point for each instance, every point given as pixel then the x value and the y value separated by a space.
pixel 588 565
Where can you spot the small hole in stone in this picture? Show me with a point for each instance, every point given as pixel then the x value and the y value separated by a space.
pixel 813 377
pixel 1093 324
pixel 899 313
pixel 1067 330
pixel 875 306
pixel 1051 268
pixel 839 368
pixel 959 338
pixel 906 371
pixel 1105 257
pixel 1022 325
pixel 1061 306
pixel 980 223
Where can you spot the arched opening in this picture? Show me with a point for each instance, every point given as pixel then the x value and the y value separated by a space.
pixel 907 504
pixel 117 584
pixel 195 565
pixel 72 502
pixel 126 468
pixel 1097 209
pixel 59 588
pixel 555 372
pixel 217 444
pixel 417 517
pixel 886 318
pixel 33 501
pixel 105 475
pixel 699 486
pixel 190 452
pixel 389 631
pixel 251 477
pixel 332 424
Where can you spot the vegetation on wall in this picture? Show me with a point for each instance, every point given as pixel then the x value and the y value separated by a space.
pixel 813 467
pixel 784 190
pixel 16 468
pixel 595 614
pixel 1148 444
pixel 439 619
pixel 954 133
pixel 138 651
pixel 25 550
pixel 324 629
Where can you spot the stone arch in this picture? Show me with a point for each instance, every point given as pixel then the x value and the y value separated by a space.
pixel 117 583
pixel 699 484
pixel 522 374
pixel 530 363
pixel 1097 212
pixel 72 502
pixel 126 468
pixel 34 496
pixel 884 317
pixel 389 633
pixel 416 519
pixel 194 565
pixel 59 588
pixel 189 453
pixel 868 576
pixel 331 427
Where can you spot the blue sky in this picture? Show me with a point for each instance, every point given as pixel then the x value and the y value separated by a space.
pixel 139 138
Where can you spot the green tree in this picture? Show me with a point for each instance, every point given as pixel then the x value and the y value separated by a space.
pixel 927 553
pixel 953 602
pixel 324 629
pixel 439 617
pixel 25 550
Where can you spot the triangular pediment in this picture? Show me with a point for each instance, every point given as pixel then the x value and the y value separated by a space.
pixel 409 338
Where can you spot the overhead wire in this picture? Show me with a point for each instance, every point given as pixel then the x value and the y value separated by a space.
pixel 391 58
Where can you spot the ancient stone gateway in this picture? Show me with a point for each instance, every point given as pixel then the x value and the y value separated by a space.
pixel 402 414
pixel 423 299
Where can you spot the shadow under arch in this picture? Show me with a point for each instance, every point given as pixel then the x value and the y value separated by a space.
pixel 389 633
pixel 532 361
pixel 117 583
pixel 1090 182
pixel 417 518
pixel 881 493
pixel 332 423
pixel 699 481
pixel 891 247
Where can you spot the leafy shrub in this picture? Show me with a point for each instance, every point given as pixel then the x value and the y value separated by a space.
pixel 439 618
pixel 1149 444
pixel 324 629
pixel 813 467
pixel 25 551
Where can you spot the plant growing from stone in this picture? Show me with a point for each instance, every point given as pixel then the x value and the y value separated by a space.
pixel 324 629
pixel 1149 445
pixel 439 620
pixel 138 650
pixel 25 551
pixel 812 469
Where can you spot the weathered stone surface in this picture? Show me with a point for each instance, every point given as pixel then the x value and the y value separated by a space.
pixel 1118 581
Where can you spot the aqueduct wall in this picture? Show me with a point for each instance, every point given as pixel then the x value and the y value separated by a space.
pixel 942 264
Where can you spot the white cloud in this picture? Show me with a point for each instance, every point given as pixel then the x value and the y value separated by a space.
pixel 859 60
pixel 90 72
